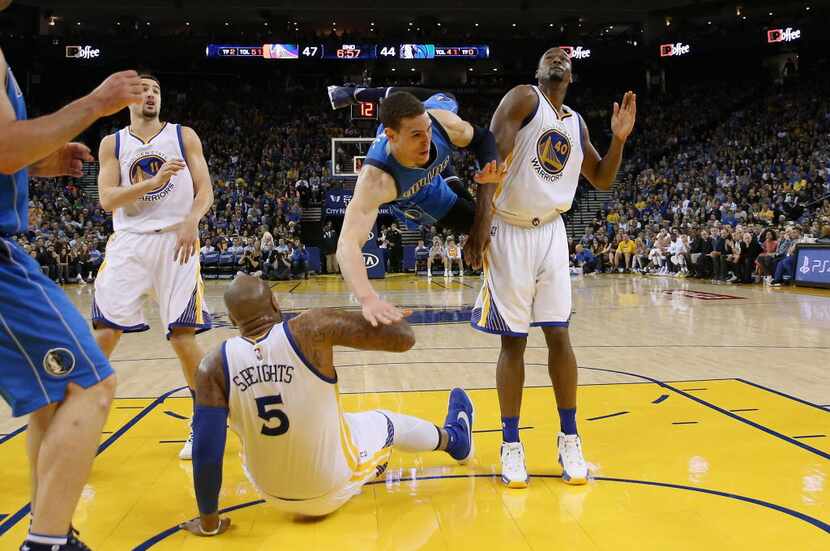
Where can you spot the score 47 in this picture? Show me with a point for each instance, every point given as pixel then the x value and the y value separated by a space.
pixel 311 51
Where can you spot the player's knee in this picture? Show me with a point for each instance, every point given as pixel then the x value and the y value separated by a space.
pixel 557 336
pixel 183 337
pixel 513 345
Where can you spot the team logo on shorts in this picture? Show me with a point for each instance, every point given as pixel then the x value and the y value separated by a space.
pixel 59 362
pixel 552 152
pixel 145 167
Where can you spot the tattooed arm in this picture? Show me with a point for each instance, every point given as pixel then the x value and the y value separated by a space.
pixel 317 331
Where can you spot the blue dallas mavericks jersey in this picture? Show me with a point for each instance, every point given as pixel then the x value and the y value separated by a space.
pixel 45 344
pixel 14 189
pixel 423 194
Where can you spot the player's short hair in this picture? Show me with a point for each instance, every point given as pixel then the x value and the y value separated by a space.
pixel 151 77
pixel 398 106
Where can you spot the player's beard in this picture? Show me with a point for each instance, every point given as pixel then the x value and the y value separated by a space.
pixel 150 115
pixel 550 73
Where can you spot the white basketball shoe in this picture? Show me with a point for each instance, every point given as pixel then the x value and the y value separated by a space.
pixel 574 467
pixel 187 449
pixel 513 470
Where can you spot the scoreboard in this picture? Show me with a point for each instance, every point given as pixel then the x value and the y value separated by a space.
pixel 349 51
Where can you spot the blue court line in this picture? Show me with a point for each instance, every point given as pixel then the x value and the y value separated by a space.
pixel 174 414
pixel 23 511
pixel 2 516
pixel 744 409
pixel 791 397
pixel 761 503
pixel 685 423
pixel 12 434
pixel 719 409
pixel 607 416
pixel 660 399
pixel 811 436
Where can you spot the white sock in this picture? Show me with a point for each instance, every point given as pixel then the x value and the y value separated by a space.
pixel 413 434
pixel 46 540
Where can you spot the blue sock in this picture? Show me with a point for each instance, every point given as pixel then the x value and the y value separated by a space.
pixel 510 429
pixel 567 420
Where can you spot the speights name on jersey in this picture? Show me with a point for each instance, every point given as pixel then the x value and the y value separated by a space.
pixel 552 152
pixel 263 374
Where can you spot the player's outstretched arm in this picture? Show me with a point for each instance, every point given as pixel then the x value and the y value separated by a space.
pixel 187 233
pixel 209 436
pixel 24 143
pixel 602 172
pixel 374 187
pixel 113 196
pixel 318 330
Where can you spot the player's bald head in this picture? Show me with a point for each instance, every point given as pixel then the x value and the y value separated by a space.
pixel 250 301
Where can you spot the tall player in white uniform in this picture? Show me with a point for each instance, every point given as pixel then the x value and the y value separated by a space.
pixel 527 283
pixel 277 384
pixel 155 180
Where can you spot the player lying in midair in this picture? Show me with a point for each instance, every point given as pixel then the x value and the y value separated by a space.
pixel 407 166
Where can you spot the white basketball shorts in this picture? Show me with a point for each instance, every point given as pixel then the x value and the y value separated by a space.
pixel 135 263
pixel 369 450
pixel 527 282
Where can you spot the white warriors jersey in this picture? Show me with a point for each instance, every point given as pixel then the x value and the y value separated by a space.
pixel 544 167
pixel 287 415
pixel 169 203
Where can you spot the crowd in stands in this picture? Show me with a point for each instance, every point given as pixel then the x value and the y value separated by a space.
pixel 722 195
pixel 720 192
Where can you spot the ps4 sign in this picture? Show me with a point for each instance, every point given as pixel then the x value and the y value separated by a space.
pixel 674 50
pixel 774 36
pixel 82 52
pixel 812 266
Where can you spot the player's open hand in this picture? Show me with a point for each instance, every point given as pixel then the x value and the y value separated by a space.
pixel 476 244
pixel 187 240
pixel 66 161
pixel 117 92
pixel 622 120
pixel 376 310
pixel 195 527
pixel 491 173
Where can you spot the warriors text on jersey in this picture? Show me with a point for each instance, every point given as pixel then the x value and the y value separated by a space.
pixel 168 204
pixel 545 164
pixel 296 444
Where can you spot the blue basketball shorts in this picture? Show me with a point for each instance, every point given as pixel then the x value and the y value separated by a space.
pixel 45 343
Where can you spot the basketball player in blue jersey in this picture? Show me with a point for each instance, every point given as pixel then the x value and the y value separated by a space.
pixel 527 280
pixel 50 367
pixel 404 166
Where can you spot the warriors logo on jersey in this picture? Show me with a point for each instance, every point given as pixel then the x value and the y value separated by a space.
pixel 145 167
pixel 552 152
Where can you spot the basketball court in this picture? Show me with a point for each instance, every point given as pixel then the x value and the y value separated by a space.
pixel 703 410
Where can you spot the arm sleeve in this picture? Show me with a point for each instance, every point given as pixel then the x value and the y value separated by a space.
pixel 209 435
pixel 483 146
